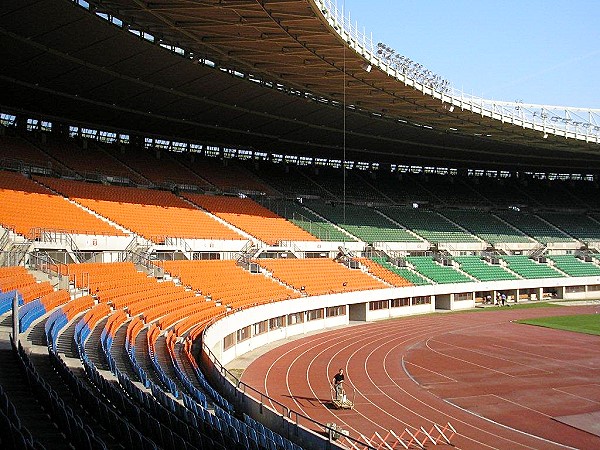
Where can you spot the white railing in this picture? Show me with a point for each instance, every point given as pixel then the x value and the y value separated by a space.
pixel 563 121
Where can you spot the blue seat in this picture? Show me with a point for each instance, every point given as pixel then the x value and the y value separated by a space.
pixel 244 440
pixel 6 299
pixel 278 440
pixel 252 435
pixel 268 433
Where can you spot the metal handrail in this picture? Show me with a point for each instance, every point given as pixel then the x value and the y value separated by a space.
pixel 286 412
pixel 563 121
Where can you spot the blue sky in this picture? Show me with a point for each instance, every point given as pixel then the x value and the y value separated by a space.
pixel 545 52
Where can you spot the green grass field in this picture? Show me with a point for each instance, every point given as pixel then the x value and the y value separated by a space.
pixel 530 305
pixel 587 323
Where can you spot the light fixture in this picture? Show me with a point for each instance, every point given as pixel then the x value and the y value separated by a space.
pixel 545 136
pixel 367 67
pixel 451 109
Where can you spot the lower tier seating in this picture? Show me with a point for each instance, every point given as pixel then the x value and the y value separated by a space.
pixel 528 268
pixel 575 267
pixel 478 268
pixel 436 272
pixel 403 272
pixel 318 276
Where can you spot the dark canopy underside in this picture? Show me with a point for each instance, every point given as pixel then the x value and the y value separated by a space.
pixel 63 62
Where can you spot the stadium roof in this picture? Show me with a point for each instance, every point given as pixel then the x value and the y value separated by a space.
pixel 271 75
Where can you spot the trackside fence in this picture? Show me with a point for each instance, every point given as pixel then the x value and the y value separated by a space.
pixel 290 424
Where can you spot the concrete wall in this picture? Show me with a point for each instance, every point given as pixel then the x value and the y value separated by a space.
pixel 89 243
pixel 444 296
pixel 401 311
pixel 452 296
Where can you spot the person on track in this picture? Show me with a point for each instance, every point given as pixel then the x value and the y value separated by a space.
pixel 338 384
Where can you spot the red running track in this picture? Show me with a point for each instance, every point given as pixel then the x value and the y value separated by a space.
pixel 500 384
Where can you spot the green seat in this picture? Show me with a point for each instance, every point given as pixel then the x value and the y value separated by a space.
pixel 362 222
pixel 486 226
pixel 579 226
pixel 528 268
pixel 478 268
pixel 535 227
pixel 436 272
pixel 574 267
pixel 429 224
pixel 308 221
pixel 404 272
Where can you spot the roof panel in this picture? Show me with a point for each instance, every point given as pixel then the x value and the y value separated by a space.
pixel 34 19
pixel 119 78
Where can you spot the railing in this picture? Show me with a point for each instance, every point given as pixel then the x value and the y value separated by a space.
pixel 132 245
pixel 386 249
pixel 38 233
pixel 289 417
pixel 313 228
pixel 243 256
pixel 140 259
pixel 57 237
pixel 537 251
pixel 9 259
pixel 5 239
pixel 569 122
pixel 178 242
pixel 297 251
pixel 15 253
pixel 19 165
pixel 43 262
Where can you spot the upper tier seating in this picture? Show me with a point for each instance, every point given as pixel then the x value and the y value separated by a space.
pixel 575 267
pixel 384 274
pixel 579 226
pixel 586 192
pixel 404 189
pixel 308 220
pixel 159 170
pixel 429 224
pixel 29 208
pixel 290 181
pixel 17 148
pixel 436 272
pixel 229 177
pixel 533 226
pixel 241 288
pixel 252 218
pixel 152 214
pixel 449 190
pixel 486 226
pixel 478 268
pixel 404 272
pixel 317 276
pixel 501 192
pixel 363 222
pixel 555 194
pixel 331 181
pixel 527 268
pixel 89 160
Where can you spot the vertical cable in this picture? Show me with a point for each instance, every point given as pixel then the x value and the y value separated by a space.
pixel 344 122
